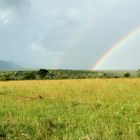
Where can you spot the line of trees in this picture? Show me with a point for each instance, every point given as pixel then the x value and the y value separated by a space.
pixel 43 74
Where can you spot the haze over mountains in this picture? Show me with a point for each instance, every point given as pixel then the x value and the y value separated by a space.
pixel 9 65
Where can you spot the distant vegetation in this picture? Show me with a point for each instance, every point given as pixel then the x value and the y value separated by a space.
pixel 44 74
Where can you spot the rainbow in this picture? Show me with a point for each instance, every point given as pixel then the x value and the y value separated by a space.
pixel 120 43
pixel 82 32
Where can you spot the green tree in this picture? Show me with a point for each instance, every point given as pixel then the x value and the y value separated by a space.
pixel 29 76
pixel 126 74
pixel 138 73
pixel 42 73
pixel 6 77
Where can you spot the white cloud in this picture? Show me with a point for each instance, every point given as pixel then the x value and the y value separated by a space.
pixel 12 9
pixel 41 55
pixel 6 16
pixel 38 47
pixel 72 14
pixel 127 16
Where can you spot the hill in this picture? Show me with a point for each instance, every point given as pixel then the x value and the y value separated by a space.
pixel 8 65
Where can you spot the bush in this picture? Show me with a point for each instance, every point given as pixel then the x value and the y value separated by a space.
pixel 101 75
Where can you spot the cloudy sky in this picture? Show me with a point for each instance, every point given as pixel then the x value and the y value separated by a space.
pixel 70 34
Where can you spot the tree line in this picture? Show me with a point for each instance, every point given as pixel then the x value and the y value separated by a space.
pixel 44 74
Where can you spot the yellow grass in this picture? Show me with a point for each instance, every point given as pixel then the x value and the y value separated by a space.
pixel 72 109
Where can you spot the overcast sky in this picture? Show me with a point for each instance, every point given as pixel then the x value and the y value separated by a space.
pixel 69 34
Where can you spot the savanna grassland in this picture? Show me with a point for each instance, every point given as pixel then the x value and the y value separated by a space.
pixel 96 109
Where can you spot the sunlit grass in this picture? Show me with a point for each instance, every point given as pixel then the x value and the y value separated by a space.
pixel 107 109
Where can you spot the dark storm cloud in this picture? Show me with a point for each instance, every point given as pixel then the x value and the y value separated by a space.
pixel 14 4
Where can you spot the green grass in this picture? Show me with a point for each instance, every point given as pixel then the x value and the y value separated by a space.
pixel 99 109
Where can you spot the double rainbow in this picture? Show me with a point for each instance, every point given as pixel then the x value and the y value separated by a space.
pixel 105 57
pixel 120 43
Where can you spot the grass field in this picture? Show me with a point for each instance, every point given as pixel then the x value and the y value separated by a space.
pixel 99 109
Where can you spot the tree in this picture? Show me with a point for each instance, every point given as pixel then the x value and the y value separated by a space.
pixel 42 73
pixel 6 77
pixel 30 76
pixel 126 74
pixel 138 73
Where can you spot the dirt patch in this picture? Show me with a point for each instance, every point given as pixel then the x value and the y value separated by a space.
pixel 38 97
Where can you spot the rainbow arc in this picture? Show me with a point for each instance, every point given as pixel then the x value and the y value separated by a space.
pixel 120 43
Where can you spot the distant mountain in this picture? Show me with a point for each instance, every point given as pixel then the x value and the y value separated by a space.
pixel 9 65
